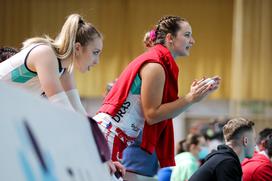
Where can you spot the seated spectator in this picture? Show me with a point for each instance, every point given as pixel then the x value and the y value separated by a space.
pixel 259 167
pixel 187 162
pixel 224 164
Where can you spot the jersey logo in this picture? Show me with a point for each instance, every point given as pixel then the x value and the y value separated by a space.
pixel 121 112
pixel 21 74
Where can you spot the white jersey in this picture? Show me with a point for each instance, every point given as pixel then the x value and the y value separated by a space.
pixel 129 118
pixel 15 72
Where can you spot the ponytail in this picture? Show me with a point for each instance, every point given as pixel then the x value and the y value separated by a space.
pixel 75 29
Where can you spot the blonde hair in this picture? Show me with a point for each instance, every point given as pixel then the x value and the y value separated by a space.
pixel 234 127
pixel 75 29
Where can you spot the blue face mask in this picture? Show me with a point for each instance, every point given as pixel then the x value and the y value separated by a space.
pixel 204 151
pixel 257 148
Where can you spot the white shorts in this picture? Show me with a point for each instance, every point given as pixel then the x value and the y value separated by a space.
pixel 116 138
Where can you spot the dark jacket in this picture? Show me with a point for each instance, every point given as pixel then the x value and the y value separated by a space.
pixel 220 165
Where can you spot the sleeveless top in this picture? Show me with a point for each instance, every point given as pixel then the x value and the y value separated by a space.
pixel 129 118
pixel 14 71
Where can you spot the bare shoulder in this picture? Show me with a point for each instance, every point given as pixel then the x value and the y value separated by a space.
pixel 42 55
pixel 152 69
pixel 43 51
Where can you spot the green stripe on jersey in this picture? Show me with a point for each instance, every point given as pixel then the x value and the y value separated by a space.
pixel 21 74
pixel 136 85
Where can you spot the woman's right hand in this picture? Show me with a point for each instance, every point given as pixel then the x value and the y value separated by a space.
pixel 201 88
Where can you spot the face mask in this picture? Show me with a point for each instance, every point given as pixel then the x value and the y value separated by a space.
pixel 248 152
pixel 257 148
pixel 204 151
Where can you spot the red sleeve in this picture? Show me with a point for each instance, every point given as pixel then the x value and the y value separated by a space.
pixel 263 173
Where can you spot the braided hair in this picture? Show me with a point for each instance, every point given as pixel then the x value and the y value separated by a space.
pixel 7 52
pixel 167 24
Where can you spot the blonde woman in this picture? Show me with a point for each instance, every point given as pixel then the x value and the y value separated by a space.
pixel 46 65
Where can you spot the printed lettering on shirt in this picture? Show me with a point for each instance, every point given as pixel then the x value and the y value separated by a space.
pixel 134 128
pixel 121 112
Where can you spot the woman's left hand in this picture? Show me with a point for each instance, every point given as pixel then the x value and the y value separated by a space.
pixel 116 166
pixel 120 168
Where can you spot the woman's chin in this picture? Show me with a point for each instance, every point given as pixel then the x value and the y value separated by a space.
pixel 184 54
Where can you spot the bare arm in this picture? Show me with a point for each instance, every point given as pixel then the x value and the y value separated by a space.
pixel 69 85
pixel 68 81
pixel 153 79
pixel 43 60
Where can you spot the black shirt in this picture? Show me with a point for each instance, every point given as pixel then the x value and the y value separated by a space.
pixel 220 165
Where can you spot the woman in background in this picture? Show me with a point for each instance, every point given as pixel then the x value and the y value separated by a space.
pixel 187 160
